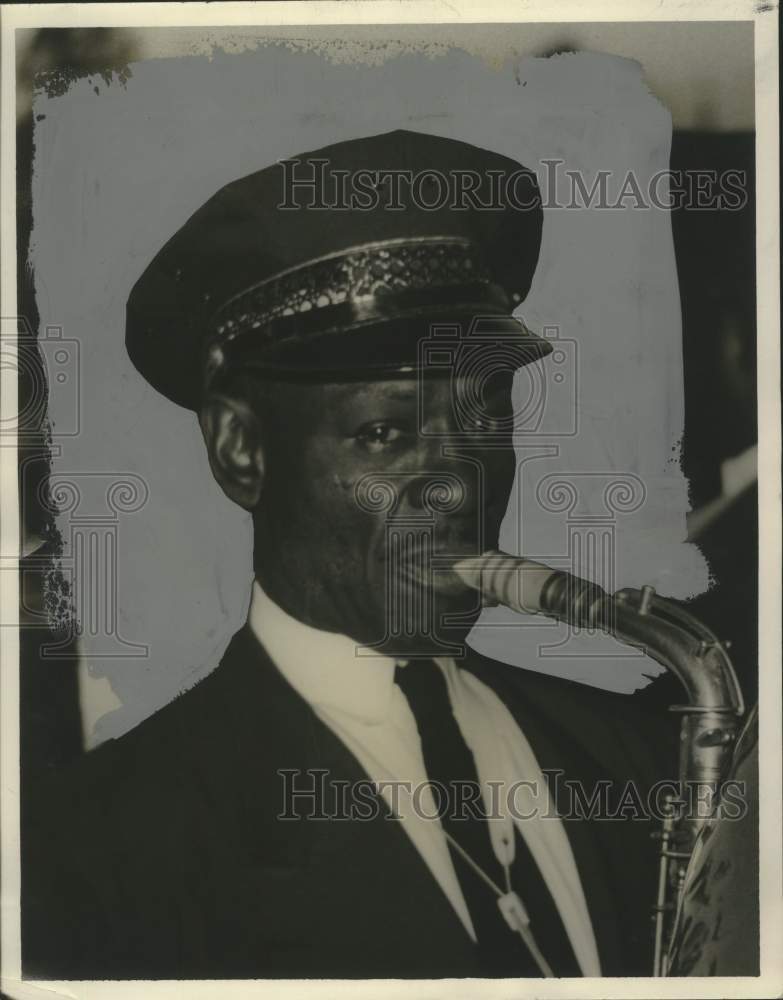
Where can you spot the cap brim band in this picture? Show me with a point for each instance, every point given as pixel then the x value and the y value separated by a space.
pixel 432 345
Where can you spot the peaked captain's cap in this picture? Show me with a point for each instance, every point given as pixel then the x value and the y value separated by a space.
pixel 337 263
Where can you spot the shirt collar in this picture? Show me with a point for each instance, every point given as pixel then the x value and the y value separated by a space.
pixel 327 669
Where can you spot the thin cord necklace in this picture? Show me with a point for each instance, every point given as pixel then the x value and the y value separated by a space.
pixel 510 905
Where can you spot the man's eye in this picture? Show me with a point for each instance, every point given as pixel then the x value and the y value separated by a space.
pixel 376 437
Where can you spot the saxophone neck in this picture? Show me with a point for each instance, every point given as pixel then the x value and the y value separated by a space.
pixel 659 627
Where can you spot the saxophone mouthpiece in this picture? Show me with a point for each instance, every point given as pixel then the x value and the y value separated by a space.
pixel 529 587
pixel 503 579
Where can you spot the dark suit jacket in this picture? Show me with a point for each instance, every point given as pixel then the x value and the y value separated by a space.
pixel 161 854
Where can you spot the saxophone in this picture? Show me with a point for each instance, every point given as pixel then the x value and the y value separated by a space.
pixel 682 644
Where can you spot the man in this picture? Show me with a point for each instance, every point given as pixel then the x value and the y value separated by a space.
pixel 321 805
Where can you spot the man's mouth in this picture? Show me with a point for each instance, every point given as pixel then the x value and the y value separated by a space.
pixel 425 566
pixel 442 580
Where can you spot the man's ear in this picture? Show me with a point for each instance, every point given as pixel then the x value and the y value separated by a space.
pixel 232 435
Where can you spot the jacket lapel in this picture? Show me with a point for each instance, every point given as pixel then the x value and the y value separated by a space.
pixel 345 893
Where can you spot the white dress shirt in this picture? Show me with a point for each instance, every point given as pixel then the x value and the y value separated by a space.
pixel 352 691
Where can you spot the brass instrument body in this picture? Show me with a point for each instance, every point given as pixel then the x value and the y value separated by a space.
pixel 710 715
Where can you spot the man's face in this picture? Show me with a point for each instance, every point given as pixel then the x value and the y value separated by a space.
pixel 371 491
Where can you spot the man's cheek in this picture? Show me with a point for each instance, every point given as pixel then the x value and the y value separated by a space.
pixel 500 472
pixel 343 528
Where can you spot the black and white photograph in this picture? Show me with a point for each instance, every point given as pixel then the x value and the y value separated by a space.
pixel 390 500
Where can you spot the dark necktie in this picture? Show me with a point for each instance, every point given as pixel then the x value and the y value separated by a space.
pixel 449 764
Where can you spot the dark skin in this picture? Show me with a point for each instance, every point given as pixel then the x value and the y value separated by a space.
pixel 362 494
